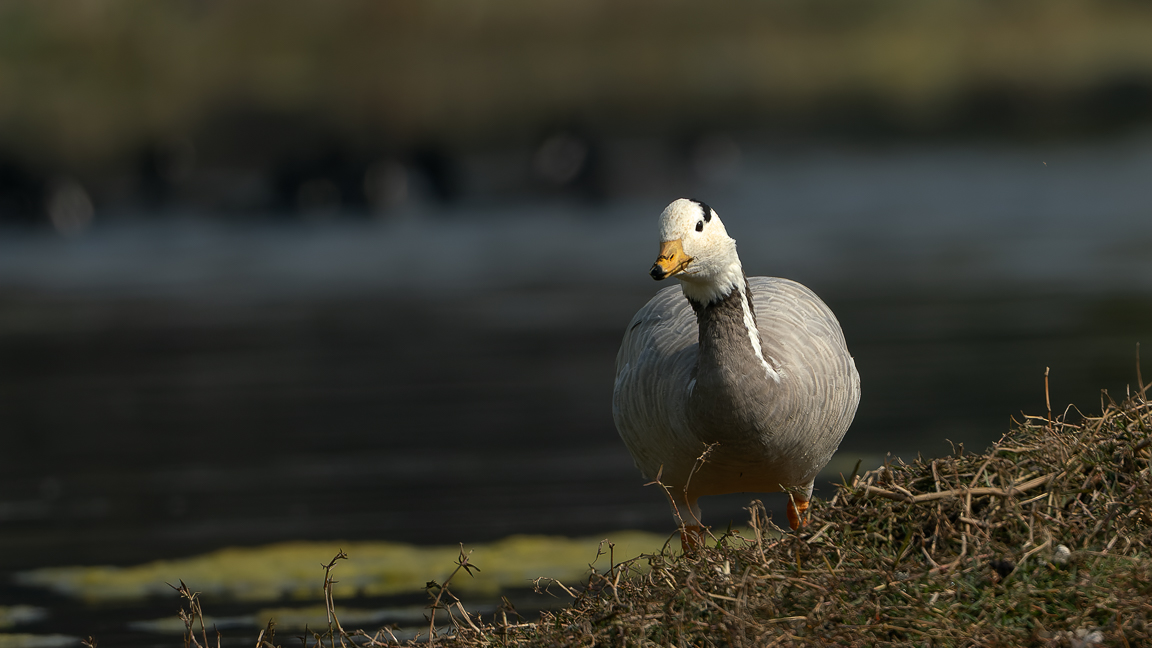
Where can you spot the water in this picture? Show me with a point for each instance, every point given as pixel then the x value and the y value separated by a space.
pixel 172 386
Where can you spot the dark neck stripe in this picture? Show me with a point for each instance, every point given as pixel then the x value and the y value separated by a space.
pixel 726 343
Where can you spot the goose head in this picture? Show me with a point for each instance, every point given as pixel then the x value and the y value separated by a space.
pixel 696 249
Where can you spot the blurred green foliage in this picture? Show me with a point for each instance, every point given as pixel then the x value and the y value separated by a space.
pixel 83 82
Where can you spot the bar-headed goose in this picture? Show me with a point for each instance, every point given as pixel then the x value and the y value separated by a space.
pixel 754 371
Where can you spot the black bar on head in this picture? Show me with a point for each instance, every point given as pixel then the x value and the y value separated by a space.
pixel 705 207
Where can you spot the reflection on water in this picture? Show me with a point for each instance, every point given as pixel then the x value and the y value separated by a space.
pixel 168 388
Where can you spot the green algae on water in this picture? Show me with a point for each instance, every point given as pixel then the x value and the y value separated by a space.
pixel 293 569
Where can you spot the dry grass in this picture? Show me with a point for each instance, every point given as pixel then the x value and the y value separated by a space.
pixel 1043 541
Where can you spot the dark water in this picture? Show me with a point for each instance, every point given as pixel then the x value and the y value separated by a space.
pixel 173 386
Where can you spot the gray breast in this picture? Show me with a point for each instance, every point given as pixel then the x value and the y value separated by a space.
pixel 820 387
pixel 780 432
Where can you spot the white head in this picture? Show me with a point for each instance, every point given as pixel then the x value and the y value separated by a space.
pixel 696 249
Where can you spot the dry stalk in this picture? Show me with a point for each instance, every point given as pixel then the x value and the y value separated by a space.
pixel 462 563
pixel 190 616
pixel 329 604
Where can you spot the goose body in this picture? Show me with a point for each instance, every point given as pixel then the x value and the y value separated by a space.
pixel 753 370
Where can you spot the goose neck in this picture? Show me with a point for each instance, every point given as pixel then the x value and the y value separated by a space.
pixel 730 346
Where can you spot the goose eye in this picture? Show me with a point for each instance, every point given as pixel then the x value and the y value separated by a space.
pixel 699 226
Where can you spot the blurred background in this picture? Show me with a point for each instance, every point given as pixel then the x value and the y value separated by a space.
pixel 359 270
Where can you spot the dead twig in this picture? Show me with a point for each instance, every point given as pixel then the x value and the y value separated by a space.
pixel 462 563
pixel 960 492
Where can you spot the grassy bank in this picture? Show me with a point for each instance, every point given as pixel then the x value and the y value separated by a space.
pixel 1042 540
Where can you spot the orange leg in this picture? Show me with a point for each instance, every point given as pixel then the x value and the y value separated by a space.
pixel 691 537
pixel 691 530
pixel 797 506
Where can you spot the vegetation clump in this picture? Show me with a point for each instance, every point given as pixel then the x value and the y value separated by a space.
pixel 1043 540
